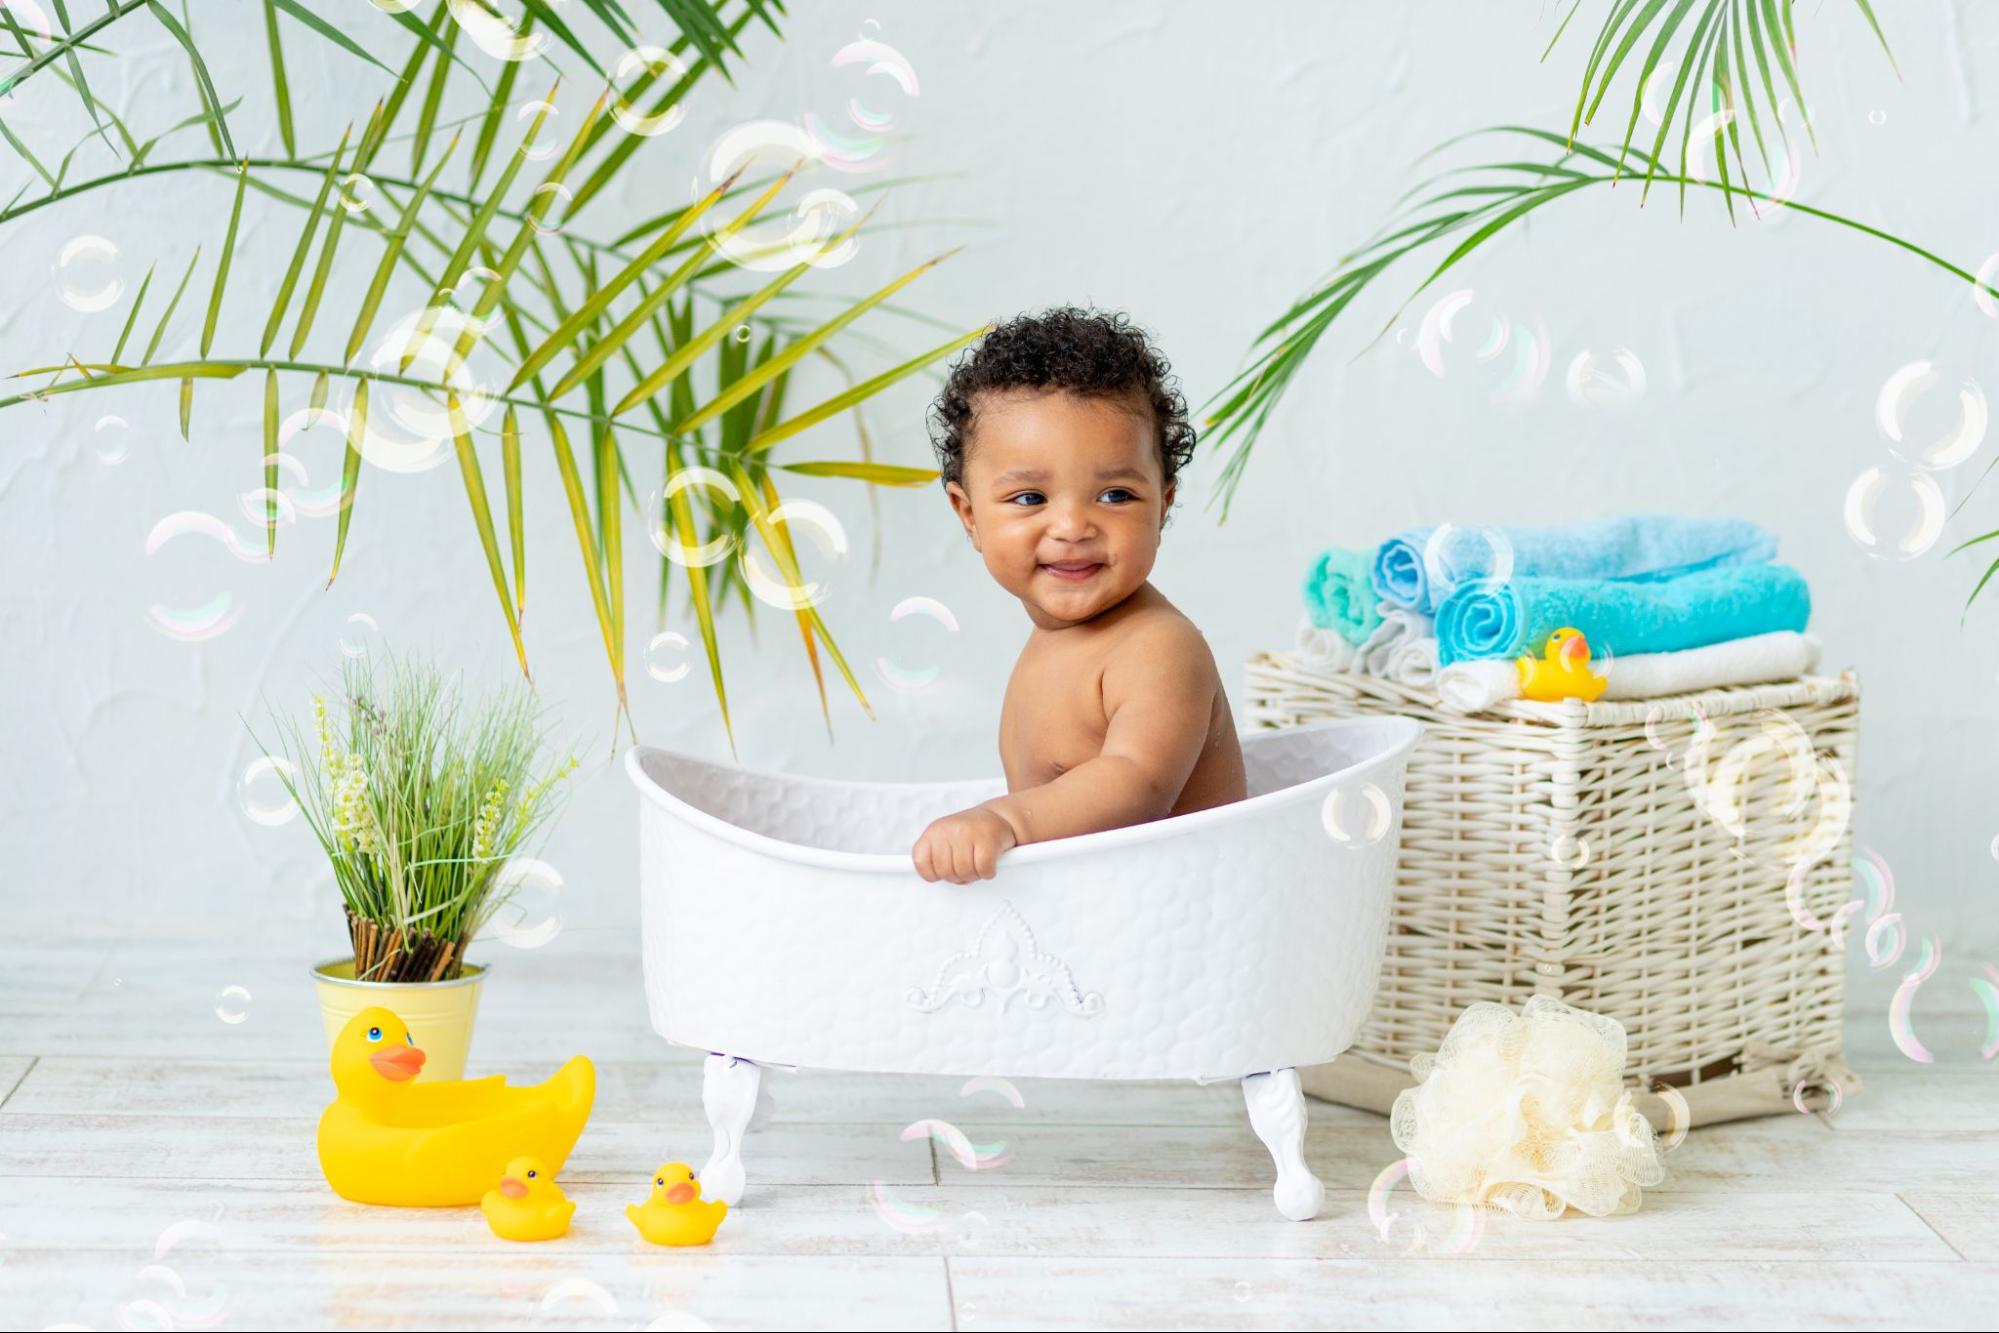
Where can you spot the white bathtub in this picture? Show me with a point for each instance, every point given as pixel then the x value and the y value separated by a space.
pixel 784 924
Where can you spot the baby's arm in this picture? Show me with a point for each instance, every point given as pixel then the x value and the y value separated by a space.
pixel 1159 692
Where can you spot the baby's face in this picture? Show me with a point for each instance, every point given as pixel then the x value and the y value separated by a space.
pixel 1063 497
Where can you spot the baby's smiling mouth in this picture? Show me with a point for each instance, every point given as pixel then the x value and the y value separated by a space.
pixel 1073 571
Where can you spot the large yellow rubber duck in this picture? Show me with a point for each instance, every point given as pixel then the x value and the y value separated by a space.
pixel 386 1139
pixel 1562 671
pixel 676 1213
pixel 528 1204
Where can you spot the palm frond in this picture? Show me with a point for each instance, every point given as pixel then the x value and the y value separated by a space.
pixel 1724 38
pixel 1508 191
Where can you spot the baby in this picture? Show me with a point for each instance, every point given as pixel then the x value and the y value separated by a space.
pixel 1060 436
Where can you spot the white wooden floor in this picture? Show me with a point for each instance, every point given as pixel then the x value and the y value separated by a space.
pixel 157 1170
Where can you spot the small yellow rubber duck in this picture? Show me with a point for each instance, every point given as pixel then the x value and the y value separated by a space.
pixel 1562 671
pixel 528 1205
pixel 676 1214
pixel 387 1139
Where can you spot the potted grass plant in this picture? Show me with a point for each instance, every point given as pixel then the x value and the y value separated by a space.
pixel 419 797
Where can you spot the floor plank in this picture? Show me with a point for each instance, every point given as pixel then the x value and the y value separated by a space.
pixel 911 1220
pixel 1430 1294
pixel 1968 1220
pixel 200 1284
pixel 666 1088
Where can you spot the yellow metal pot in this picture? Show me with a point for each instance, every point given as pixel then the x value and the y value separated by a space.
pixel 439 1014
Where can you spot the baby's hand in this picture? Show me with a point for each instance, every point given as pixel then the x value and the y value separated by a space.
pixel 963 847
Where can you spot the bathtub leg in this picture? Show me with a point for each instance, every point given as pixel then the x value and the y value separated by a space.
pixel 729 1089
pixel 1277 1113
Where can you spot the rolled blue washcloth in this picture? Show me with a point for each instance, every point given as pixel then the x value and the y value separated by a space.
pixel 1634 547
pixel 1338 595
pixel 1487 619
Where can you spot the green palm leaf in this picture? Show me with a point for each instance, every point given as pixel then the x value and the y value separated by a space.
pixel 482 519
pixel 350 471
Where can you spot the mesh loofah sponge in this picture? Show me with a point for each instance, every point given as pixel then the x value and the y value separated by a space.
pixel 1527 1112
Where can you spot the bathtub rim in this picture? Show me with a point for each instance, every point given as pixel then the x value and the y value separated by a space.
pixel 1055 849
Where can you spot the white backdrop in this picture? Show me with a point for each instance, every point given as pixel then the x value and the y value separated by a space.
pixel 1198 165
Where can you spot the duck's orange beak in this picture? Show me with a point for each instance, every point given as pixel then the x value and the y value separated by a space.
pixel 681 1193
pixel 512 1188
pixel 398 1066
pixel 1575 650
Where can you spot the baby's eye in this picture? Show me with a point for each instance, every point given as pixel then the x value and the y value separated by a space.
pixel 1116 492
pixel 1033 497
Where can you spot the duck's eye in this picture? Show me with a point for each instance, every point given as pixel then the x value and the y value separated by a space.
pixel 409 1039
pixel 374 1034
pixel 532 1174
pixel 659 1180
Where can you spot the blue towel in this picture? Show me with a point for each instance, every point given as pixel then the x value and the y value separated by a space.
pixel 1487 619
pixel 1339 597
pixel 1636 546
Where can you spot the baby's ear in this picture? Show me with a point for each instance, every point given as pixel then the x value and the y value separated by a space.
pixel 961 505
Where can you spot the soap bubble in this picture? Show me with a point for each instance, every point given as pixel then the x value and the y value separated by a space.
pixel 545 145
pixel 357 193
pixel 999 1087
pixel 233 1005
pixel 361 637
pixel 529 892
pixel 1590 385
pixel 214 617
pixel 412 430
pixel 549 217
pixel 665 70
pixel 1454 555
pixel 1679 1116
pixel 1885 941
pixel 872 80
pixel 1987 283
pixel 1241 1292
pixel 911 1219
pixel 971 1156
pixel 827 533
pixel 263 793
pixel 901 677
pixel 666 657
pixel 1932 438
pixel 495 35
pixel 577 1291
pixel 1917 513
pixel 1569 852
pixel 1493 340
pixel 1877 117
pixel 1986 988
pixel 742 333
pixel 773 242
pixel 671 544
pixel 1901 1026
pixel 1826 1091
pixel 111 440
pixel 1436 1229
pixel 85 277
pixel 1363 826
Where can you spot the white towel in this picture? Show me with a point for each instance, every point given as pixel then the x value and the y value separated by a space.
pixel 1323 647
pixel 1470 687
pixel 1397 624
pixel 1413 661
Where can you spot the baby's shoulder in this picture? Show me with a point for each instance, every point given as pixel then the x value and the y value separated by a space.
pixel 1160 632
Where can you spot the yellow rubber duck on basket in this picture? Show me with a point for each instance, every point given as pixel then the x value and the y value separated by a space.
pixel 1562 670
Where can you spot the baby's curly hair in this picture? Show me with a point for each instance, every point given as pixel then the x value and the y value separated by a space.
pixel 1088 352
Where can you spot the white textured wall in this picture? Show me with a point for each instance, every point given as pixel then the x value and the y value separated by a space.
pixel 1196 164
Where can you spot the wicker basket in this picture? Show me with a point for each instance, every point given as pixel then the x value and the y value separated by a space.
pixel 1679 864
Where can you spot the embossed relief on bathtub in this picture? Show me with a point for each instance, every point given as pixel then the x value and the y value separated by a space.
pixel 1005 963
